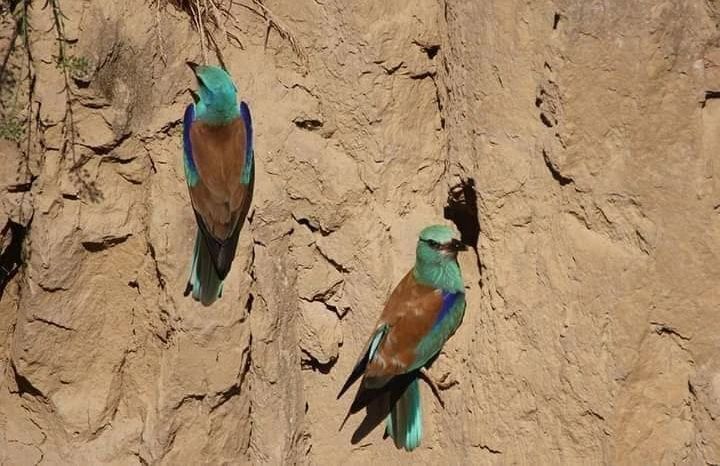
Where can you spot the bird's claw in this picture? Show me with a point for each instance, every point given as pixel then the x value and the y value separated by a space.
pixel 425 376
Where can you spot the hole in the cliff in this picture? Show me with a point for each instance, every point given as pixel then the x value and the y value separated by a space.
pixel 21 187
pixel 710 95
pixel 462 210
pixel 310 124
pixel 311 225
pixel 249 303
pixel 107 243
pixel 423 75
pixel 557 176
pixel 556 21
pixel 11 257
pixel 392 69
pixel 82 82
pixel 307 223
pixel 431 50
pixel 546 120
pixel 13 4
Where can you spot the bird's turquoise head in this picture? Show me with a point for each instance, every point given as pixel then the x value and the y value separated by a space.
pixel 436 259
pixel 216 96
pixel 437 245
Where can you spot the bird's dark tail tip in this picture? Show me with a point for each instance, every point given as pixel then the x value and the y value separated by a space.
pixel 205 284
pixel 404 424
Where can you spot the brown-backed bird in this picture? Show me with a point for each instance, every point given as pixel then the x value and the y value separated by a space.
pixel 422 312
pixel 220 174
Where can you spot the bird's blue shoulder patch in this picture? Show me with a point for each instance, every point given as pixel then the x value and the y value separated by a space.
pixel 448 301
pixel 191 174
pixel 249 149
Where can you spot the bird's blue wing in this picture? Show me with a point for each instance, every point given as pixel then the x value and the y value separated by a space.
pixel 191 173
pixel 249 149
pixel 448 301
pixel 446 322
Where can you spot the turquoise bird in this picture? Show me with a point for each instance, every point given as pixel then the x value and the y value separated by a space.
pixel 423 311
pixel 220 174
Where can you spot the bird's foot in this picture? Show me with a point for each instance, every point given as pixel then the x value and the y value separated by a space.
pixel 425 376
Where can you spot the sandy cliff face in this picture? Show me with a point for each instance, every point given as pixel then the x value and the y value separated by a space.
pixel 576 142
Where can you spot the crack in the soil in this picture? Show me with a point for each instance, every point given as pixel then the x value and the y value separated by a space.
pixel 52 323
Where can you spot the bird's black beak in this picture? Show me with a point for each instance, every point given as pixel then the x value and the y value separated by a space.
pixel 193 66
pixel 195 96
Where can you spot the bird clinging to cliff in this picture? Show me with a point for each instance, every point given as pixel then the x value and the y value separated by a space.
pixel 422 312
pixel 220 173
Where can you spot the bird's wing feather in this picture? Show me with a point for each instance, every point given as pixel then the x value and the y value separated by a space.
pixel 191 175
pixel 220 199
pixel 249 168
pixel 390 357
pixel 416 322
pixel 410 313
pixel 446 322
pixel 367 354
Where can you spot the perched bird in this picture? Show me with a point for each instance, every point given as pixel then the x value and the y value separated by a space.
pixel 423 311
pixel 220 173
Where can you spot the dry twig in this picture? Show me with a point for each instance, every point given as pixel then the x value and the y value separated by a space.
pixel 274 23
pixel 210 16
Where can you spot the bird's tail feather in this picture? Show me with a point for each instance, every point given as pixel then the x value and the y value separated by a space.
pixel 205 283
pixel 404 424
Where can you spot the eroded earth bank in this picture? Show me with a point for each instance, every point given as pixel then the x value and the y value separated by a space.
pixel 578 143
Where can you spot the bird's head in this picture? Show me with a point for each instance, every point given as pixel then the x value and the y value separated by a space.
pixel 437 244
pixel 216 89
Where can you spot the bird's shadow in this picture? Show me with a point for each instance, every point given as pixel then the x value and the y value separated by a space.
pixel 375 413
pixel 377 403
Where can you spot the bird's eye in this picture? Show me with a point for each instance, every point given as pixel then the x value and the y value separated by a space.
pixel 432 243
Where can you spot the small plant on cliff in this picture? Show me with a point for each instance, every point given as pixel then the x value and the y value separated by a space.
pixel 76 66
pixel 12 118
pixel 72 67
pixel 12 128
pixel 17 79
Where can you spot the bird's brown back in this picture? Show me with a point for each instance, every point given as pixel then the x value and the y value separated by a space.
pixel 219 156
pixel 410 313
